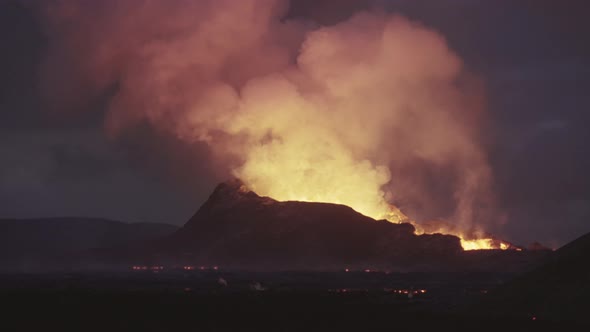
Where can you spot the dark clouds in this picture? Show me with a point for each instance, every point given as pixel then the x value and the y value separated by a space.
pixel 532 56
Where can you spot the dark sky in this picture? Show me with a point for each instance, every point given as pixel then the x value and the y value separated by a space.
pixel 533 56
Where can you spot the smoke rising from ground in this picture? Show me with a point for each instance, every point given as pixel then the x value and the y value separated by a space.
pixel 357 113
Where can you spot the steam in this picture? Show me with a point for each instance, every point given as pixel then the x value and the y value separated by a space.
pixel 352 113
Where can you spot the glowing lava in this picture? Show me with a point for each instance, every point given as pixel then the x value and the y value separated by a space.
pixel 474 241
pixel 480 244
pixel 469 242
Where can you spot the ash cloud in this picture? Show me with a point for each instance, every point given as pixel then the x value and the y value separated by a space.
pixel 358 112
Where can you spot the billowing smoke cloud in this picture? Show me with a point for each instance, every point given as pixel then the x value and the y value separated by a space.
pixel 359 113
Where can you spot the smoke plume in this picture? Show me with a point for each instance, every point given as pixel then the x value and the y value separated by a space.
pixel 368 112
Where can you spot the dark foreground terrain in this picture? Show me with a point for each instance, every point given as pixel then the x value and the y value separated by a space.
pixel 181 300
pixel 123 277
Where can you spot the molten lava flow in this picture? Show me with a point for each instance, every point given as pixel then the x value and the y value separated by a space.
pixel 468 242
pixel 483 243
pixel 477 244
pixel 471 240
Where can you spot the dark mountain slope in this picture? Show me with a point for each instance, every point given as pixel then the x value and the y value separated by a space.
pixel 557 290
pixel 236 227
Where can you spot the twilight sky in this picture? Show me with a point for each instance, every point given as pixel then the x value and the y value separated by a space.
pixel 532 56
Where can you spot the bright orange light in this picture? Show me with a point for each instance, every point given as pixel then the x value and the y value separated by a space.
pixel 478 244
pixel 482 244
pixel 473 242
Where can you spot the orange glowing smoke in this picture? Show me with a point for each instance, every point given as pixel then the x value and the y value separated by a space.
pixel 341 114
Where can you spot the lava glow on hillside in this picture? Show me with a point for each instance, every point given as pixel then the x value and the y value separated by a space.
pixel 475 241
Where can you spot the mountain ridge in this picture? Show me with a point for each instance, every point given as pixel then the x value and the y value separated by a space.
pixel 235 226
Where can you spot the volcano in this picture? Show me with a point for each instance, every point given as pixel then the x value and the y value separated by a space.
pixel 236 227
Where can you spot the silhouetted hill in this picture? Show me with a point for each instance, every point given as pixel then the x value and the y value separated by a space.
pixel 557 290
pixel 24 241
pixel 236 227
